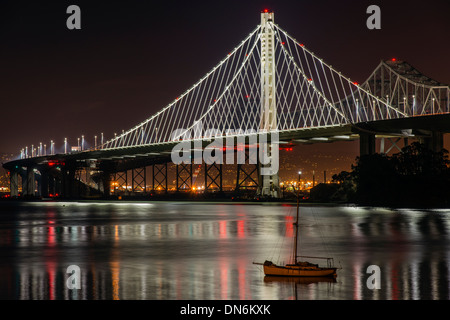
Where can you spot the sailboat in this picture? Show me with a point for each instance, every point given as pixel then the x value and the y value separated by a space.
pixel 299 268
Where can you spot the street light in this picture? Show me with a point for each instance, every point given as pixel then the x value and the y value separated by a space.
pixel 82 142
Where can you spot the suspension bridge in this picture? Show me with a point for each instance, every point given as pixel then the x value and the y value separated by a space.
pixel 270 83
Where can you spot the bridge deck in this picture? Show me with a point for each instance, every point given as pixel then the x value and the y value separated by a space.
pixel 419 126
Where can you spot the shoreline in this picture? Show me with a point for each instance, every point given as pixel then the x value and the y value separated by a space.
pixel 219 201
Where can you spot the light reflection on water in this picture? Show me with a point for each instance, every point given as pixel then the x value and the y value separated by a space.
pixel 205 251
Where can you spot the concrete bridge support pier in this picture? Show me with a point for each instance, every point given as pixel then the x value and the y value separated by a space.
pixel 14 184
pixel 29 184
pixel 68 183
pixel 435 142
pixel 106 184
pixel 44 190
pixel 52 185
pixel 366 143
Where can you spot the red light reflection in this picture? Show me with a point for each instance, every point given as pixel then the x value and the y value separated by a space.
pixel 289 221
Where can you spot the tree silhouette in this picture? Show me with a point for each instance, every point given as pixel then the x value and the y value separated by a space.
pixel 415 177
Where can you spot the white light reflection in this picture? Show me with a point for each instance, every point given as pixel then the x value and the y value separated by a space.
pixel 415 280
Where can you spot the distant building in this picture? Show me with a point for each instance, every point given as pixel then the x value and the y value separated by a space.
pixel 4 178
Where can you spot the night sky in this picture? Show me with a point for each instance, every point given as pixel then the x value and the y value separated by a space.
pixel 132 58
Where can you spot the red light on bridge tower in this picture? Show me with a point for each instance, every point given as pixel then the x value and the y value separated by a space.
pixel 268 14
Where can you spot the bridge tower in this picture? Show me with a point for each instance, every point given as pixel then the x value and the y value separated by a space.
pixel 268 184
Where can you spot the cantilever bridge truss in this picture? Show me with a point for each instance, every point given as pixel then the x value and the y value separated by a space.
pixel 407 89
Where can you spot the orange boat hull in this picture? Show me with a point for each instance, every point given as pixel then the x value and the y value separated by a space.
pixel 298 271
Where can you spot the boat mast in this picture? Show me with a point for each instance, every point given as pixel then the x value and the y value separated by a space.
pixel 296 220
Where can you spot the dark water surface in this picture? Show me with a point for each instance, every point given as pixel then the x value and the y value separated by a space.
pixel 182 250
